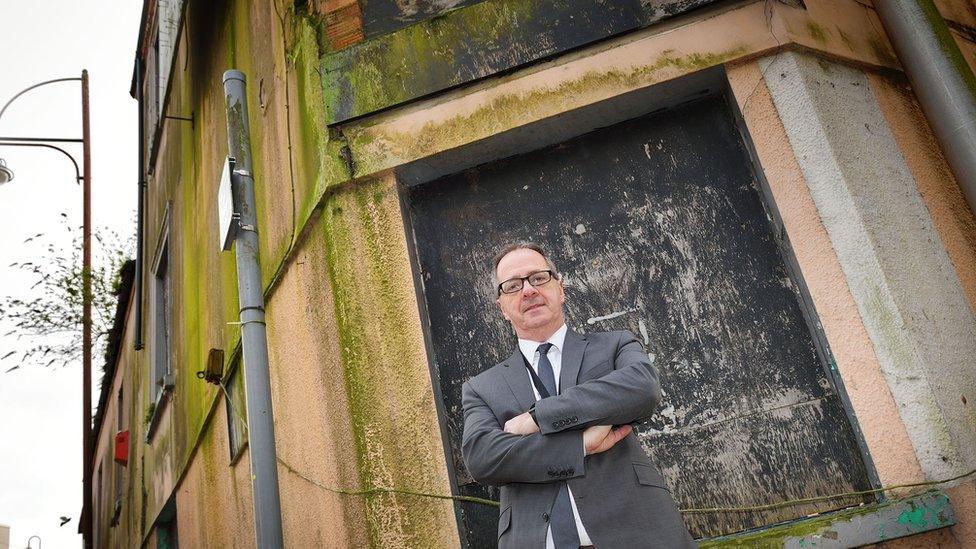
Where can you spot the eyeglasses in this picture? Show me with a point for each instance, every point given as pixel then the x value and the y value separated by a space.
pixel 513 285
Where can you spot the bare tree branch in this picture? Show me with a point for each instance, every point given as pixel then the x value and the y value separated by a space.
pixel 50 318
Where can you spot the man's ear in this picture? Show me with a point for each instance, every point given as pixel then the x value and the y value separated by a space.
pixel 498 302
pixel 562 291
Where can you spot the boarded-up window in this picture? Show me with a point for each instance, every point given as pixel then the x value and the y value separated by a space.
pixel 659 227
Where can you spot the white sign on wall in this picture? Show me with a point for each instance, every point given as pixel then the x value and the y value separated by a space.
pixel 226 213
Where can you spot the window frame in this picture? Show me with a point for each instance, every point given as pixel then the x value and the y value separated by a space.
pixel 162 377
pixel 161 46
pixel 236 406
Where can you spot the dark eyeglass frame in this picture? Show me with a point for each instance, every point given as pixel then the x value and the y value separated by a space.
pixel 523 279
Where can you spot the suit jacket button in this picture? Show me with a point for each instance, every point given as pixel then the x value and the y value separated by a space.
pixel 545 517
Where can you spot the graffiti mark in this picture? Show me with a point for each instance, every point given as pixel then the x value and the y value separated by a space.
pixel 593 320
pixel 643 331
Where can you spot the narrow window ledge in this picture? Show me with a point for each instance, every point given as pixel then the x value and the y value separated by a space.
pixel 159 405
pixel 237 455
pixel 852 527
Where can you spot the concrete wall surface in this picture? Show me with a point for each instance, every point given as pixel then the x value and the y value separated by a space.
pixel 884 241
pixel 908 292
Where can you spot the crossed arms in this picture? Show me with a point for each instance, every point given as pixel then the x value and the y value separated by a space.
pixel 579 418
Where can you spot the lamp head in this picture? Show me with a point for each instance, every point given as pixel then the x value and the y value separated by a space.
pixel 6 175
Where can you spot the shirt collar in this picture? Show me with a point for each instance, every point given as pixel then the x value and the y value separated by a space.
pixel 529 347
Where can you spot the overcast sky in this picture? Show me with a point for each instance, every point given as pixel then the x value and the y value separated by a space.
pixel 40 409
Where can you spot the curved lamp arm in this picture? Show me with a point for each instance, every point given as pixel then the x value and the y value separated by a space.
pixel 41 141
pixel 38 85
pixel 78 176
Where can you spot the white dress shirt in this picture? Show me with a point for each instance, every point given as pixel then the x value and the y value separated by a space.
pixel 530 350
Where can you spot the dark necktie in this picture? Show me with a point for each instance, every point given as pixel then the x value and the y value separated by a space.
pixel 561 519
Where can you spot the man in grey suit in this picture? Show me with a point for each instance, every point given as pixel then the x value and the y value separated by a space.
pixel 572 473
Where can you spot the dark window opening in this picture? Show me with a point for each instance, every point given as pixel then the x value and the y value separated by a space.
pixel 167 533
pixel 236 410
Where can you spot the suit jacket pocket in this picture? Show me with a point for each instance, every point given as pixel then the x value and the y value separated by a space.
pixel 596 372
pixel 648 475
pixel 504 521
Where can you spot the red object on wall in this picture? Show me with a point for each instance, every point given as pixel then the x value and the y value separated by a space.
pixel 122 448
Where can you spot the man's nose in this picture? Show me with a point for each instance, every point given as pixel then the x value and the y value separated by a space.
pixel 528 290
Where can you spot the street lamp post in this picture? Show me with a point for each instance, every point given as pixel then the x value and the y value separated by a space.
pixel 6 175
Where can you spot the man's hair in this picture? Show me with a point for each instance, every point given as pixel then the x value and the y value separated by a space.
pixel 520 245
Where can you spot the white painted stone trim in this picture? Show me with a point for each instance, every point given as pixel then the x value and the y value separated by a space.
pixel 907 292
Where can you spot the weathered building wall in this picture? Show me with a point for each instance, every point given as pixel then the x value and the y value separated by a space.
pixel 634 61
pixel 213 499
pixel 352 392
pixel 314 431
pixel 295 162
pixel 385 364
pixel 128 363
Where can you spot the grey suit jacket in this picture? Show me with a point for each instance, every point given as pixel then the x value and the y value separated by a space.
pixel 606 379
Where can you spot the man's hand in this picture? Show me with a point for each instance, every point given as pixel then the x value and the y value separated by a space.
pixel 600 438
pixel 522 424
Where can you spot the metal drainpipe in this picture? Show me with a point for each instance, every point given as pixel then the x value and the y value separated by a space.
pixel 254 341
pixel 141 165
pixel 941 79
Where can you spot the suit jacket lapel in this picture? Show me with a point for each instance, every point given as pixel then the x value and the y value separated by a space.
pixel 518 379
pixel 573 348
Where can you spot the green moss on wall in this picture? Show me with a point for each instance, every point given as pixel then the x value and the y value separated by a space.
pixel 375 149
pixel 321 155
pixel 472 42
pixel 817 32
pixel 807 532
pixel 387 381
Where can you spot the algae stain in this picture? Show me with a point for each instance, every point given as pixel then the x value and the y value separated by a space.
pixel 948 44
pixel 231 59
pixel 340 249
pixel 817 32
pixel 882 52
pixel 381 148
pixel 319 155
pixel 359 245
pixel 846 40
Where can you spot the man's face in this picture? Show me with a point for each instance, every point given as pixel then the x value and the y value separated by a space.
pixel 535 312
